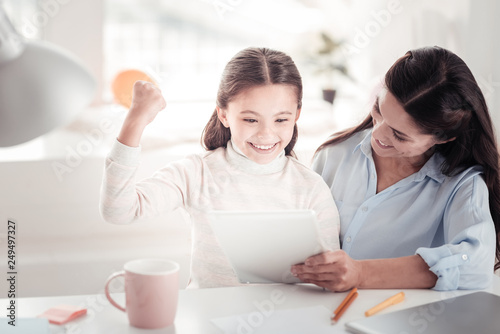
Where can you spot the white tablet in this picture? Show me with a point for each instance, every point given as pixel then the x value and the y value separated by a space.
pixel 263 245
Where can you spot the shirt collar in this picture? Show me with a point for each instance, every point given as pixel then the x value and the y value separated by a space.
pixel 365 145
pixel 432 167
pixel 239 160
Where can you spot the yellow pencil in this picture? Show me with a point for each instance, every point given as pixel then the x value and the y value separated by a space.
pixel 386 303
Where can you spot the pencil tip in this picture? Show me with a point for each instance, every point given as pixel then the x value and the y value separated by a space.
pixel 333 322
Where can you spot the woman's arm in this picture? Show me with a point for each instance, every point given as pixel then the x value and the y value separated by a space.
pixel 336 271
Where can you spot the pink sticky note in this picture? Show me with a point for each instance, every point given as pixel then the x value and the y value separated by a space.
pixel 63 313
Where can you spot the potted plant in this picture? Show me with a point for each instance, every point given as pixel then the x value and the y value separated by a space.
pixel 329 61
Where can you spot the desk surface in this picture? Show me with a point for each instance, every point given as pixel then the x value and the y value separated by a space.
pixel 197 307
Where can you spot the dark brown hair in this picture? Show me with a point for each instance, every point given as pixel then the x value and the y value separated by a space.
pixel 437 89
pixel 250 68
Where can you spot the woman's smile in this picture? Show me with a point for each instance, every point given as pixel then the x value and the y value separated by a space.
pixel 382 144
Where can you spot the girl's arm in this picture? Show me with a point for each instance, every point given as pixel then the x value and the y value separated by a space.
pixel 124 200
pixel 337 271
pixel 147 101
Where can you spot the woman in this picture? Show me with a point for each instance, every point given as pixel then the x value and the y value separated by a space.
pixel 416 184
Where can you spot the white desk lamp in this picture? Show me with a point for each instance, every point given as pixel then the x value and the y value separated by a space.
pixel 41 86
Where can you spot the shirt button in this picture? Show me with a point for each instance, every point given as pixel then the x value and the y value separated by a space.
pixel 348 239
pixel 373 176
pixel 364 209
pixel 465 257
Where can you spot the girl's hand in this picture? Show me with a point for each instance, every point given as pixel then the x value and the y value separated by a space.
pixel 147 102
pixel 335 271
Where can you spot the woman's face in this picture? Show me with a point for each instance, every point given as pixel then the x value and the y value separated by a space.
pixel 395 134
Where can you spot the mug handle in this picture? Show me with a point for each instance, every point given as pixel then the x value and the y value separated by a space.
pixel 106 289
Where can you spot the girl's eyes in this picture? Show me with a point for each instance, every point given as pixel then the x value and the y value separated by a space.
pixel 251 120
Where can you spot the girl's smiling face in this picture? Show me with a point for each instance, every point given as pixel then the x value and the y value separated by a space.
pixel 395 134
pixel 261 120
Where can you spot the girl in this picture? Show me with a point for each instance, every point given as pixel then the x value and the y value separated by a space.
pixel 249 164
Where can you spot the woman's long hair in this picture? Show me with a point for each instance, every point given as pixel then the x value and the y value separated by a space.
pixel 437 89
pixel 250 68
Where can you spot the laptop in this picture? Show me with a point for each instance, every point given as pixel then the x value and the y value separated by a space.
pixel 474 313
pixel 263 245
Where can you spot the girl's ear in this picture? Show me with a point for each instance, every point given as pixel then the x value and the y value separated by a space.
pixel 221 114
pixel 298 115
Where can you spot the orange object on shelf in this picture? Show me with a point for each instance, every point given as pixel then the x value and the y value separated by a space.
pixel 124 82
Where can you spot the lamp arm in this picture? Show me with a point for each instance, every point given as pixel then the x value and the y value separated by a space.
pixel 11 44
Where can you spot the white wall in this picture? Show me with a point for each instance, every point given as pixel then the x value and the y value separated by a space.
pixel 76 25
pixel 483 53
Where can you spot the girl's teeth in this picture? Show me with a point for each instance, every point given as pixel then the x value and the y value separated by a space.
pixel 264 147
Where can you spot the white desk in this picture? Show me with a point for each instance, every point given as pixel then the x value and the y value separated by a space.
pixel 197 307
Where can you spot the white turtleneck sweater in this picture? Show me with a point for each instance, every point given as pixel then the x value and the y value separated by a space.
pixel 223 179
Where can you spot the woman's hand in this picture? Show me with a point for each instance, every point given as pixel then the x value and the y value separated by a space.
pixel 147 102
pixel 335 271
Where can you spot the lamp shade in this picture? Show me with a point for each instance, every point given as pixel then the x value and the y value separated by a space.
pixel 42 87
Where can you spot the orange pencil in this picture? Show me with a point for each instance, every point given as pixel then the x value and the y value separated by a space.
pixel 344 305
pixel 397 298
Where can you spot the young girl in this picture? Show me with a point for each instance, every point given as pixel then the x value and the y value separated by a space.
pixel 248 166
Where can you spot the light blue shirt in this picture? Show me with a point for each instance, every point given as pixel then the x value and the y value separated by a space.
pixel 446 220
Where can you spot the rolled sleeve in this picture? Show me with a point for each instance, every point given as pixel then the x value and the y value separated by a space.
pixel 445 265
pixel 466 260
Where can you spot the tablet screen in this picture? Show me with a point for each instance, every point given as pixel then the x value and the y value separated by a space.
pixel 263 245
